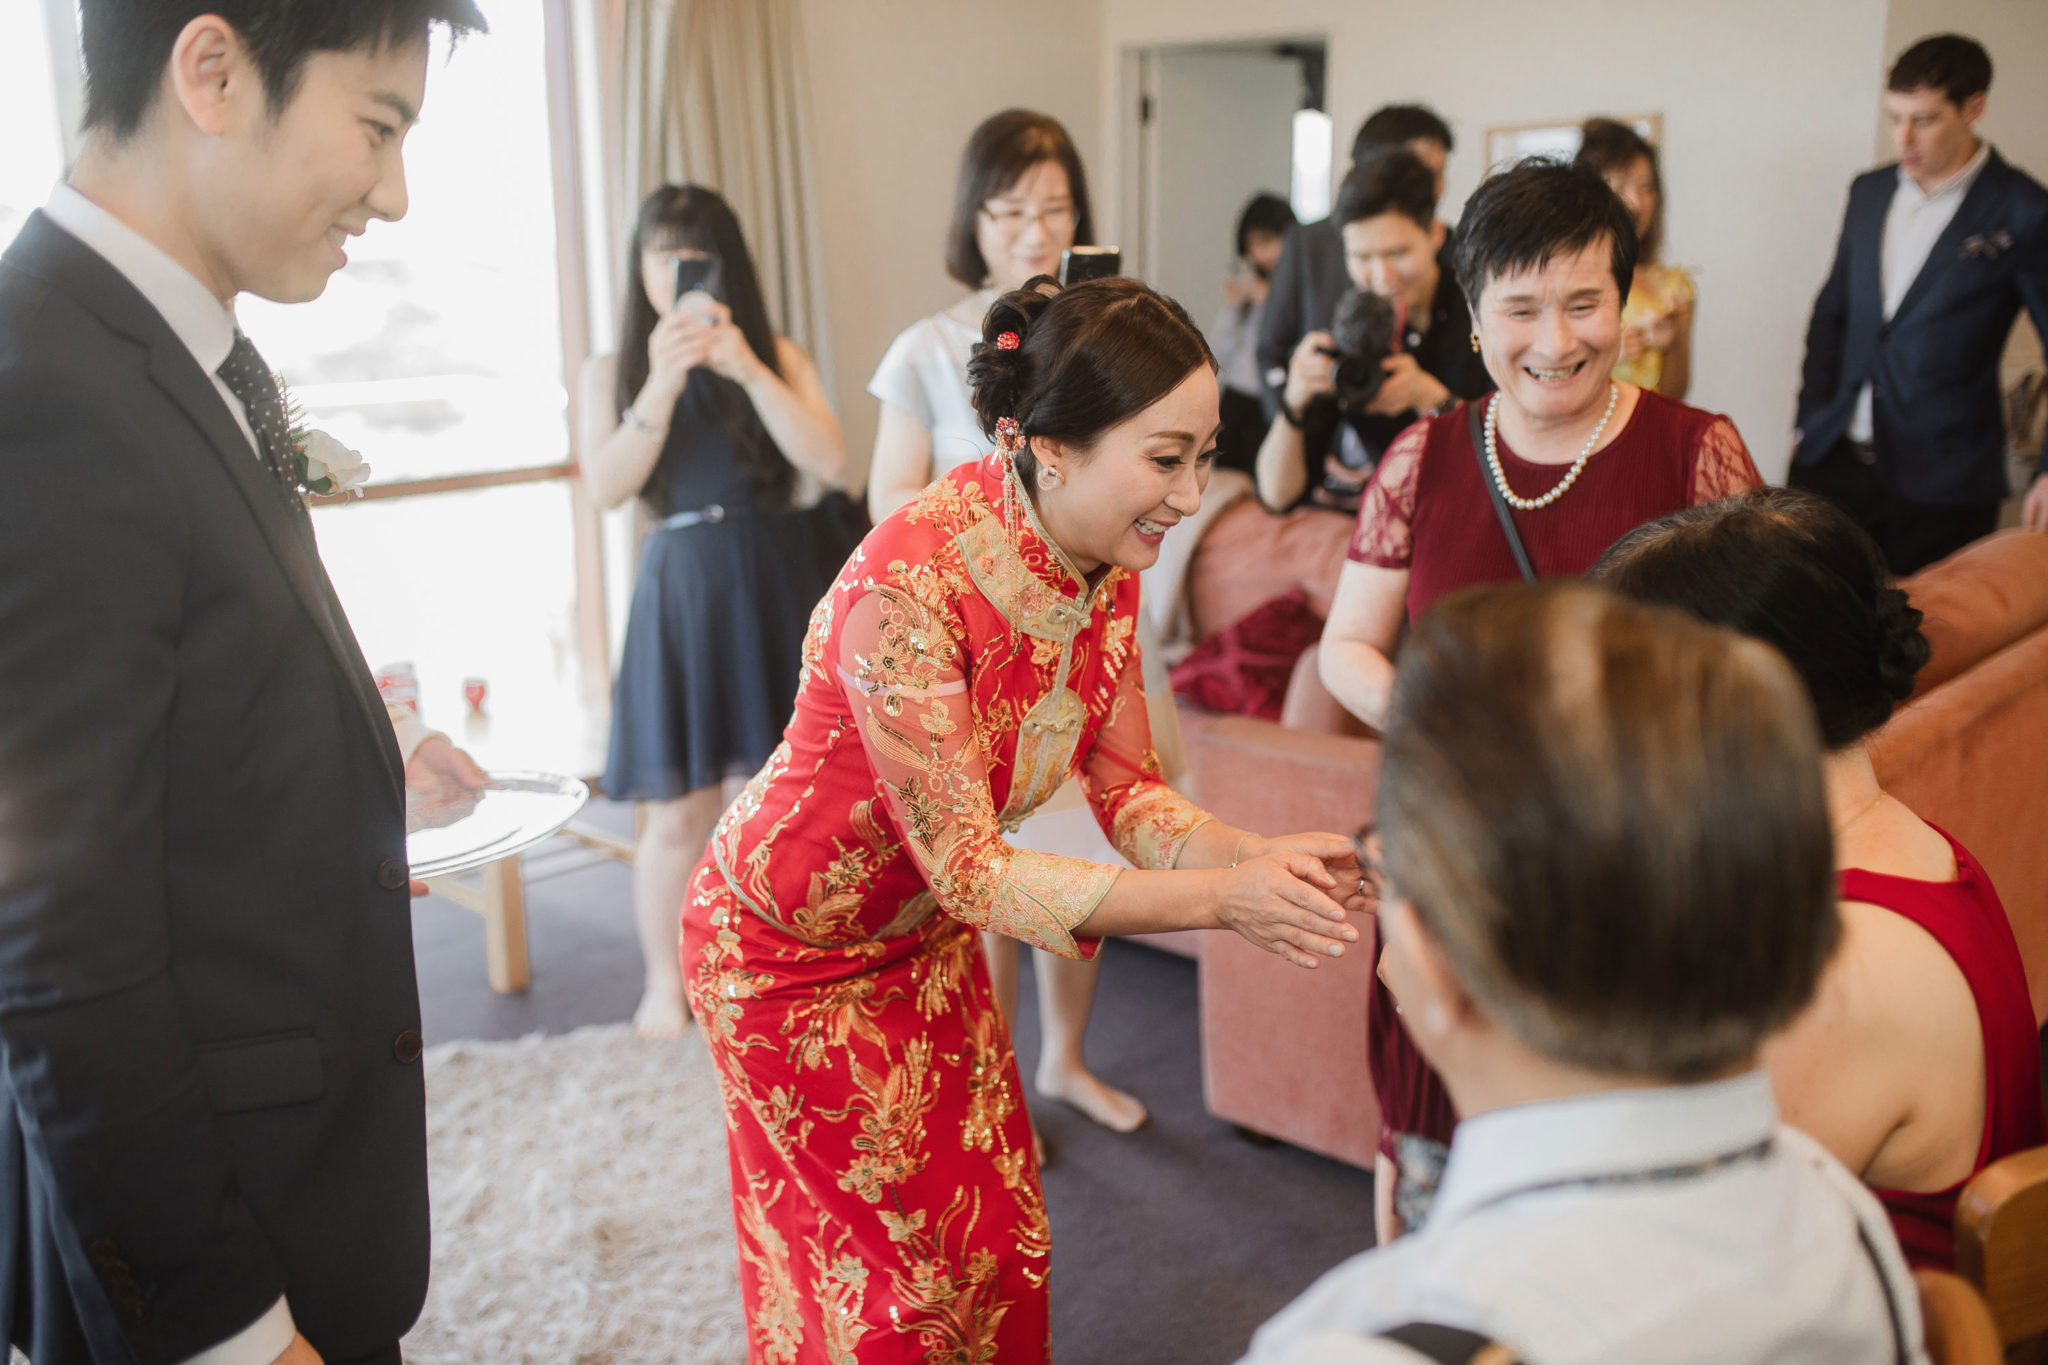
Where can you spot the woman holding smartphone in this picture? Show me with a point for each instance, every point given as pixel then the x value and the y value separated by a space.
pixel 722 429
pixel 1021 199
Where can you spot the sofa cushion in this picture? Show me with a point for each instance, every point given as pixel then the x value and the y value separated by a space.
pixel 1249 556
pixel 1979 600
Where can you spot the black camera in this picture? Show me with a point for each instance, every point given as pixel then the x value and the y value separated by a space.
pixel 1365 329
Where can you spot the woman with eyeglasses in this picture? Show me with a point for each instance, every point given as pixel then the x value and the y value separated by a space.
pixel 722 430
pixel 1021 200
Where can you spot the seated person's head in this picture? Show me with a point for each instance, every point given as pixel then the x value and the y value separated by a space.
pixel 1794 571
pixel 1606 843
pixel 1386 213
pixel 1415 127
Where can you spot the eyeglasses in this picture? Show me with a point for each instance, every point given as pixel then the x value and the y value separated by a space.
pixel 1014 218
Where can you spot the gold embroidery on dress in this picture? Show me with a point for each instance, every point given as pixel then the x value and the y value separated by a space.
pixel 839 1284
pixel 951 1306
pixel 777 1322
pixel 892 1104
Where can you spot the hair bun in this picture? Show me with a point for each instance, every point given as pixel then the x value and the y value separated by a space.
pixel 1902 650
pixel 1000 375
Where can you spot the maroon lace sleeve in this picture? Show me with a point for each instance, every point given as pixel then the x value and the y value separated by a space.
pixel 1387 506
pixel 1721 465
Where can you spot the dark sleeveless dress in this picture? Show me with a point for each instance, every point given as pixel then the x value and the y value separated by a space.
pixel 708 675
pixel 1965 917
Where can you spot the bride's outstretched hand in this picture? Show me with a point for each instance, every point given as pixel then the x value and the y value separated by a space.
pixel 1353 883
pixel 1281 899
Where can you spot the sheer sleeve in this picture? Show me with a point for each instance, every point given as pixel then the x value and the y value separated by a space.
pixel 1145 820
pixel 1387 507
pixel 1721 466
pixel 900 666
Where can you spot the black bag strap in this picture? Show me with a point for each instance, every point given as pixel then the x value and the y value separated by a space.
pixel 1449 1345
pixel 1500 503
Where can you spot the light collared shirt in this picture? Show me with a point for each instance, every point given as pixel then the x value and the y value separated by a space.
pixel 1914 222
pixel 196 317
pixel 1672 1225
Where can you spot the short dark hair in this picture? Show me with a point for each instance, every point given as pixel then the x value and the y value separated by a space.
pixel 1534 211
pixel 997 155
pixel 1613 819
pixel 1387 180
pixel 127 43
pixel 1397 125
pixel 1087 357
pixel 1265 213
pixel 1958 67
pixel 1792 570
pixel 1611 147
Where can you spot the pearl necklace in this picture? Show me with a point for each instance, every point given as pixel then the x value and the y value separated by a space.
pixel 1521 504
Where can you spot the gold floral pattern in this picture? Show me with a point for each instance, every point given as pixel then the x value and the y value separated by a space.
pixel 886 1198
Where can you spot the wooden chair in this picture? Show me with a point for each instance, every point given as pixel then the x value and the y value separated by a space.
pixel 1957 1325
pixel 2002 1249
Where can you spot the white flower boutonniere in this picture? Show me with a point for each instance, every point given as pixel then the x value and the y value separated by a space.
pixel 328 466
pixel 322 465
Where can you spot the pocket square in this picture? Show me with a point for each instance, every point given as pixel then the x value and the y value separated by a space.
pixel 1988 245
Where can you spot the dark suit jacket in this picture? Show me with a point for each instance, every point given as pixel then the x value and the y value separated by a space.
pixel 1938 424
pixel 212 1089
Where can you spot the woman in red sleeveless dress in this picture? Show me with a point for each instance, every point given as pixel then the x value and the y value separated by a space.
pixel 1918 1063
pixel 976 651
pixel 1545 256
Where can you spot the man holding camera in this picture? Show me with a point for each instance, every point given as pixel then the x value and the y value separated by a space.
pixel 1398 345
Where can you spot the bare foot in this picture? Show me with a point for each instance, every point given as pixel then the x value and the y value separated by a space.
pixel 1108 1106
pixel 661 1014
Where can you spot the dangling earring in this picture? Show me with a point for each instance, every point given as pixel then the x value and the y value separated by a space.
pixel 1008 442
pixel 1475 343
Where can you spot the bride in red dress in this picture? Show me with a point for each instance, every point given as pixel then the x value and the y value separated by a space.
pixel 976 650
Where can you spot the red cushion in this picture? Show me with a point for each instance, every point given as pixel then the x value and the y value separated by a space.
pixel 1244 669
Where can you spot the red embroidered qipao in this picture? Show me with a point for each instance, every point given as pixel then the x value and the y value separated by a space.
pixel 886 1199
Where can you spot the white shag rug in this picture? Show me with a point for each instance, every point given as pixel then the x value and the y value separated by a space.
pixel 582 1209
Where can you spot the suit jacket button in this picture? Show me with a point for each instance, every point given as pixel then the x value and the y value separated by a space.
pixel 392 874
pixel 406 1047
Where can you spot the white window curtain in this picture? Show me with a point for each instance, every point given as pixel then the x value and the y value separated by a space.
pixel 716 93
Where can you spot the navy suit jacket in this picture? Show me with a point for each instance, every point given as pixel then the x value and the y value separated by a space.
pixel 211 1091
pixel 1938 421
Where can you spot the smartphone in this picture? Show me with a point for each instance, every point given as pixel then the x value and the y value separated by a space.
pixel 1080 263
pixel 694 273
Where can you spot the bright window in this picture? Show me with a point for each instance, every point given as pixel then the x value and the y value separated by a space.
pixel 32 150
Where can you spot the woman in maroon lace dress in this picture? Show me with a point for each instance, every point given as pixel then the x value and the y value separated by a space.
pixel 1545 255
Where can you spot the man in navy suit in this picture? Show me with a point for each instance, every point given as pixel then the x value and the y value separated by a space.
pixel 1900 419
pixel 212 1121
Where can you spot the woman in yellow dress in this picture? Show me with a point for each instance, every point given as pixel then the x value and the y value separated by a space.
pixel 1656 337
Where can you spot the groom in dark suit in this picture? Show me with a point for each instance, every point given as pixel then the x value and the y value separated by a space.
pixel 1900 419
pixel 212 1140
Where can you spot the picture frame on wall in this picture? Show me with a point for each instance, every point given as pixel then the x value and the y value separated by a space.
pixel 1556 138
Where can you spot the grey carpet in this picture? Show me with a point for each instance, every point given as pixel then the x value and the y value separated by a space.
pixel 1170 1244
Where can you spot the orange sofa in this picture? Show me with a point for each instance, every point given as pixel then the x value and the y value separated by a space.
pixel 1284 1050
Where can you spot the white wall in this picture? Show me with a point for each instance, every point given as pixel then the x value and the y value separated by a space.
pixel 2015 33
pixel 1767 114
pixel 897 85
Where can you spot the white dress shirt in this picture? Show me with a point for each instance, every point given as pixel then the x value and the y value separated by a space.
pixel 1703 1251
pixel 1911 226
pixel 924 372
